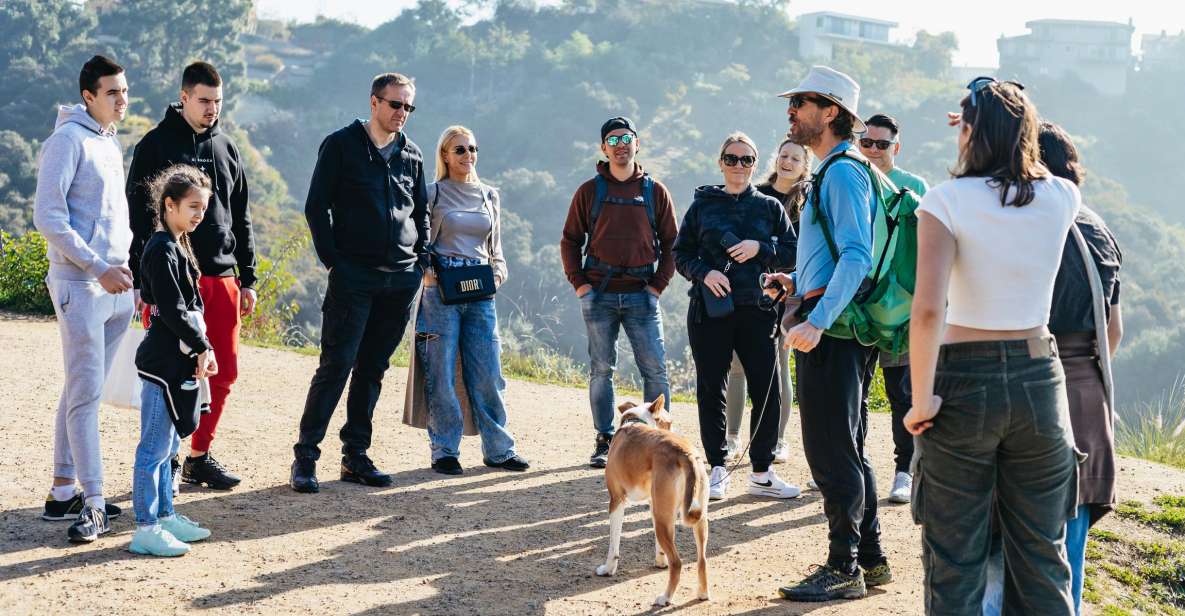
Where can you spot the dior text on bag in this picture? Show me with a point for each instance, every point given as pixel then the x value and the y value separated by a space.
pixel 463 284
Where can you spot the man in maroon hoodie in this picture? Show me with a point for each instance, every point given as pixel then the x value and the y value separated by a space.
pixel 617 255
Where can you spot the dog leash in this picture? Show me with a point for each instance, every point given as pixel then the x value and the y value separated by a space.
pixel 778 307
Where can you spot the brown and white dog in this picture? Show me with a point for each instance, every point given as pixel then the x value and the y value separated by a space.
pixel 648 462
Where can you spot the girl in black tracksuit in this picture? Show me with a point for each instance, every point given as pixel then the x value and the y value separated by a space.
pixel 763 241
pixel 173 358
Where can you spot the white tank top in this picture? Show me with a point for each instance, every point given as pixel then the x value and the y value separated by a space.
pixel 1007 257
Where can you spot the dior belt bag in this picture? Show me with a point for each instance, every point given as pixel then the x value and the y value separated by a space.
pixel 465 283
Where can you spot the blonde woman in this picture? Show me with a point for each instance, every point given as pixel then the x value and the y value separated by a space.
pixel 465 232
pixel 787 181
pixel 726 242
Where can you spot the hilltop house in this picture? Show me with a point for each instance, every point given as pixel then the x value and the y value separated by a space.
pixel 818 33
pixel 1096 52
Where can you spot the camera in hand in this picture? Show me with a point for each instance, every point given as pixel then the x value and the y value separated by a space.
pixel 766 302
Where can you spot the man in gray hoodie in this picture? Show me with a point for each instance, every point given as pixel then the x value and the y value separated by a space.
pixel 81 209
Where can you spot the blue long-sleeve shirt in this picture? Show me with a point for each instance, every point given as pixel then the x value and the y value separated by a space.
pixel 847 200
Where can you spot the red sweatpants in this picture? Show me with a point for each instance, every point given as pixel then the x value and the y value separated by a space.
pixel 220 294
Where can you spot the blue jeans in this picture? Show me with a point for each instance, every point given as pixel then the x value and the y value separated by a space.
pixel 152 475
pixel 604 315
pixel 1077 530
pixel 470 331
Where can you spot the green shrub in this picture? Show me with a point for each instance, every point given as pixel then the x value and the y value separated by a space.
pixel 23 267
pixel 1155 431
pixel 271 322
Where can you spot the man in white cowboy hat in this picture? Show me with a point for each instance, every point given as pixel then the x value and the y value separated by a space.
pixel 831 370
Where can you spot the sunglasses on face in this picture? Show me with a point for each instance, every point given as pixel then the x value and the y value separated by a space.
pixel 881 144
pixel 798 100
pixel 397 105
pixel 731 160
pixel 613 140
pixel 978 84
pixel 460 150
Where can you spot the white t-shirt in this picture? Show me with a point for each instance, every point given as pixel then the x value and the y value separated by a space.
pixel 1007 257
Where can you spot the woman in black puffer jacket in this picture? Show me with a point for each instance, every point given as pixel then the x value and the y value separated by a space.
pixel 730 236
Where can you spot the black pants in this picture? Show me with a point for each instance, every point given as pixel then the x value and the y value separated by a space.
pixel 363 319
pixel 831 389
pixel 713 342
pixel 899 393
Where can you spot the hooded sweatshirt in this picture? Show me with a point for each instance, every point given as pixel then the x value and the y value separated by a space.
pixel 80 206
pixel 749 215
pixel 224 240
pixel 623 236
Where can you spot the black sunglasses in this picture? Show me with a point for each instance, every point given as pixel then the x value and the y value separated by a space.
pixel 613 140
pixel 881 144
pixel 731 160
pixel 397 105
pixel 460 150
pixel 798 100
pixel 978 84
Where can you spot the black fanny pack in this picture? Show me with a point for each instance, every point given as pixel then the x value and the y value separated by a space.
pixel 463 284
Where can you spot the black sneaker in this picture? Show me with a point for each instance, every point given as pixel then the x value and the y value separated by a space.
pixel 90 524
pixel 304 476
pixel 826 584
pixel 600 455
pixel 447 465
pixel 175 467
pixel 60 511
pixel 513 463
pixel 359 468
pixel 205 470
pixel 878 574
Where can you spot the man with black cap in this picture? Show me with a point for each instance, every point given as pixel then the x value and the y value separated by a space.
pixel 616 250
pixel 834 257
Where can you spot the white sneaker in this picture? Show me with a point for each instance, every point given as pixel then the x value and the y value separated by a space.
pixel 781 453
pixel 902 488
pixel 718 483
pixel 175 468
pixel 732 448
pixel 773 487
pixel 811 485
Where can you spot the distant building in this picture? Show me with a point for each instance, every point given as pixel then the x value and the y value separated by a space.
pixel 818 33
pixel 1162 50
pixel 1096 52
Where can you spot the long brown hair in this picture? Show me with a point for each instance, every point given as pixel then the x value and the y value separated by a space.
pixel 796 196
pixel 176 182
pixel 1003 145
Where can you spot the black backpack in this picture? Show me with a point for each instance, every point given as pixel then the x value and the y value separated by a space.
pixel 602 196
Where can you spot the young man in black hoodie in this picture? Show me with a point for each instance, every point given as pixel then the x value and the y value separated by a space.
pixel 224 242
pixel 367 210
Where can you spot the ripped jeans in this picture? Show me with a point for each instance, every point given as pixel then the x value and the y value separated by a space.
pixel 468 331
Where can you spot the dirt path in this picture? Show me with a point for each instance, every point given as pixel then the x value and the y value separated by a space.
pixel 483 543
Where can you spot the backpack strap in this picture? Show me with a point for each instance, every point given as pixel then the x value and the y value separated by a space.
pixel 648 202
pixel 875 178
pixel 602 190
pixel 1100 319
pixel 602 193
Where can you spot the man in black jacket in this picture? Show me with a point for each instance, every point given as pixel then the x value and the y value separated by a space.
pixel 368 213
pixel 223 243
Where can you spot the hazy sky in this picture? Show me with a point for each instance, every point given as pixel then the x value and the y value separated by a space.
pixel 977 33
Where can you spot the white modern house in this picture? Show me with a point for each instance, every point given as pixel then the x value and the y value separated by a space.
pixel 1097 52
pixel 1162 50
pixel 818 33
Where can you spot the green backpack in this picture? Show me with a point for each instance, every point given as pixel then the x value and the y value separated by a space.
pixel 878 315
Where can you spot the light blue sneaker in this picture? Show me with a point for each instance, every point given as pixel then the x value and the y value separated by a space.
pixel 184 529
pixel 156 541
